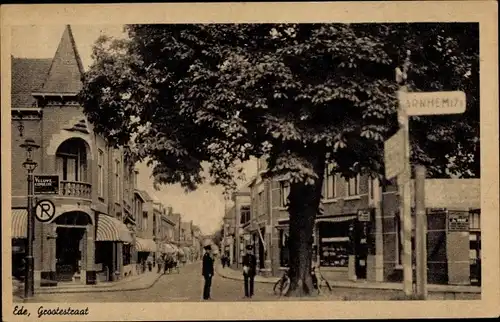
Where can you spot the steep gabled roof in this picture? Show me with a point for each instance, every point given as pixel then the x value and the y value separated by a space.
pixel 66 71
pixel 28 75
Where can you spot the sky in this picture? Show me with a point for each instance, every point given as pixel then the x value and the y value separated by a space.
pixel 206 205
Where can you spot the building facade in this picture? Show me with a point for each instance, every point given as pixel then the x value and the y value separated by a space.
pixel 358 232
pixel 91 233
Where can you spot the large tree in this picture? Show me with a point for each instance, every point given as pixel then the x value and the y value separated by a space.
pixel 300 95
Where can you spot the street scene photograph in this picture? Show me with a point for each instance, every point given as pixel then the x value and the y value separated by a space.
pixel 245 162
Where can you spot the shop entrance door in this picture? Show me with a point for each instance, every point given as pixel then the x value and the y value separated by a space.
pixel 68 252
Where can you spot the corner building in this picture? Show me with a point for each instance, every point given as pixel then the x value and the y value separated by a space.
pixel 91 236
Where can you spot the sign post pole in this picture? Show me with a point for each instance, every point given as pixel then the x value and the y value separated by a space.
pixel 404 181
pixel 421 231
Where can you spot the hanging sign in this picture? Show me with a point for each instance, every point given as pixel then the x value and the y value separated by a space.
pixel 458 221
pixel 364 215
pixel 45 210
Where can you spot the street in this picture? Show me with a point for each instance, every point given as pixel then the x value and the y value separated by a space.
pixel 187 287
pixel 183 287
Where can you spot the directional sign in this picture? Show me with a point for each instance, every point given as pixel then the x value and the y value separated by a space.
pixel 45 210
pixel 432 103
pixel 394 155
pixel 46 184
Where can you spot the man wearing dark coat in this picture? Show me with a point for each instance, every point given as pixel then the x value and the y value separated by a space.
pixel 249 271
pixel 207 272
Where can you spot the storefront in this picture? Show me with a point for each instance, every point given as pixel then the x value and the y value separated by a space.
pixel 19 240
pixel 145 248
pixel 111 237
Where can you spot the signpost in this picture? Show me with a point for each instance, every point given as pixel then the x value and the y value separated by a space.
pixel 397 163
pixel 394 155
pixel 46 184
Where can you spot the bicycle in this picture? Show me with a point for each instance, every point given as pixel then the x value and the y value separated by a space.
pixel 282 285
pixel 318 280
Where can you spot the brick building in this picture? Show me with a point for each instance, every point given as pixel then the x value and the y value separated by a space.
pixel 92 234
pixel 358 233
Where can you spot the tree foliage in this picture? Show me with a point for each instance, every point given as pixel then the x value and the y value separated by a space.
pixel 222 93
pixel 299 94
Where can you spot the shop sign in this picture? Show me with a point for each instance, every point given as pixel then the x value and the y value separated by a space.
pixel 364 215
pixel 45 185
pixel 458 221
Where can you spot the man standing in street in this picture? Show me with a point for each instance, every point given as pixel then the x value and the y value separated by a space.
pixel 207 272
pixel 249 271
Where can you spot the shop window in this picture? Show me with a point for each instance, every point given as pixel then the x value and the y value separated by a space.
pixel 284 193
pixel 329 191
pixel 127 254
pixel 353 186
pixel 334 244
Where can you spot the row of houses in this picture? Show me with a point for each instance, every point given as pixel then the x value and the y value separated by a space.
pixel 103 226
pixel 358 232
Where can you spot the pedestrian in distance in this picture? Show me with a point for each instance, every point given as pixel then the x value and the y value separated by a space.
pixel 207 272
pixel 249 271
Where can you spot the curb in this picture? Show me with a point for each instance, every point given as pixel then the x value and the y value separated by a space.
pixel 98 290
pixel 361 286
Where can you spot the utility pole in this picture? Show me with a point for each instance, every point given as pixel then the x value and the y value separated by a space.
pixel 421 231
pixel 404 180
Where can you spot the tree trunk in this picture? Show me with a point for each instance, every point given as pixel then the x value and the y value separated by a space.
pixel 303 207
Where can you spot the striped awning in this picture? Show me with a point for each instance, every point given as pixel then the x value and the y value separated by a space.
pixel 112 229
pixel 145 245
pixel 19 223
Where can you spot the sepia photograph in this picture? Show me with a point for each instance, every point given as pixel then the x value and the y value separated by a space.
pixel 260 163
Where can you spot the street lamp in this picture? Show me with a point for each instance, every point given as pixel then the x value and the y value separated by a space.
pixel 29 281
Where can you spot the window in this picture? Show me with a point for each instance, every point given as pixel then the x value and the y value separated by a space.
pixel 399 239
pixel 72 161
pixel 127 254
pixel 371 187
pixel 284 255
pixel 284 193
pixel 353 186
pixel 245 215
pixel 154 226
pixel 117 181
pixel 100 173
pixel 474 221
pixel 329 186
pixel 145 220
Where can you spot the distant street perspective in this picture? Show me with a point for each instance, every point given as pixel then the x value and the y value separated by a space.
pixel 247 162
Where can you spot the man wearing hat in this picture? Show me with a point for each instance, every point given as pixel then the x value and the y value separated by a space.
pixel 207 271
pixel 249 270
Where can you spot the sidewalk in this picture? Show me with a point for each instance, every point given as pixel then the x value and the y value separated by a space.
pixel 136 282
pixel 237 275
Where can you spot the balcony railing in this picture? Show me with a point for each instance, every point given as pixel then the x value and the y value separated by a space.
pixel 76 189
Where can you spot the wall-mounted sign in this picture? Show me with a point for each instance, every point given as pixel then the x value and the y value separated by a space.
pixel 45 210
pixel 46 185
pixel 458 221
pixel 364 215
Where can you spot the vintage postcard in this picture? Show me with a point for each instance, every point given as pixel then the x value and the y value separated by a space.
pixel 250 161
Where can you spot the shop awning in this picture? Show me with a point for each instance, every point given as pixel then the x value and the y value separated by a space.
pixel 336 218
pixel 112 229
pixel 19 223
pixel 335 239
pixel 145 245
